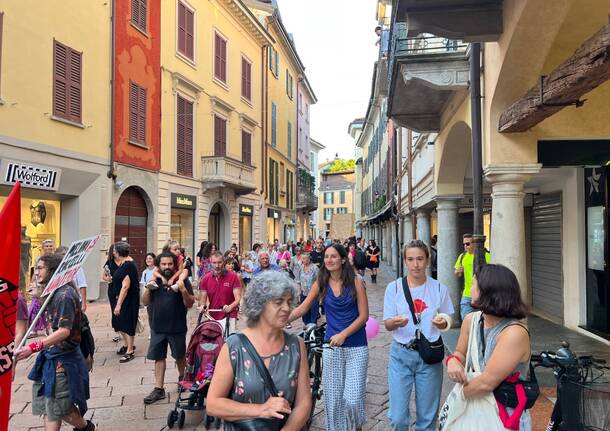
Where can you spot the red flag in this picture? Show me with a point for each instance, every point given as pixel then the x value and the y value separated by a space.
pixel 10 244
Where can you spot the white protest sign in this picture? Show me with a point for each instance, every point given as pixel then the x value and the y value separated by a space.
pixel 71 263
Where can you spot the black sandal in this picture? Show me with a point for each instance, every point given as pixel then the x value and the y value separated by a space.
pixel 123 350
pixel 127 357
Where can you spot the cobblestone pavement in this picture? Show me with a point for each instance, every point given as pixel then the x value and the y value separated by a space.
pixel 117 389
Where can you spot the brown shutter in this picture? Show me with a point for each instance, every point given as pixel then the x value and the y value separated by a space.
pixel 142 115
pixel 188 138
pixel 75 85
pixel 133 112
pixel 220 137
pixel 180 136
pixel 60 80
pixel 138 13
pixel 246 147
pixel 244 89
pixel 189 33
pixel 182 28
pixel 223 60
pixel 143 14
pixel 217 56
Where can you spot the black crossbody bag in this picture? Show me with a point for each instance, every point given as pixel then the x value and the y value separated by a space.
pixel 430 352
pixel 260 424
pixel 506 392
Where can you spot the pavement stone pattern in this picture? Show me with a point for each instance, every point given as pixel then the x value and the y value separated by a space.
pixel 117 390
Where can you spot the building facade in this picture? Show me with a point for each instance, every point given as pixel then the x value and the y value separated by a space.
pixel 336 196
pixel 55 119
pixel 544 148
pixel 314 156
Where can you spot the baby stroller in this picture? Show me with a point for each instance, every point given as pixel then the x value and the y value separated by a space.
pixel 201 354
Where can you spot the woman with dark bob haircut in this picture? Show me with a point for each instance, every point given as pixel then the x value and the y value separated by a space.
pixel 497 297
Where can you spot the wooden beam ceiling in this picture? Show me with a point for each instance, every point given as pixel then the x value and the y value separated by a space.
pixel 586 69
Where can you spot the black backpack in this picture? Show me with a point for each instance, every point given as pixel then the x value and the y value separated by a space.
pixel 87 342
pixel 359 259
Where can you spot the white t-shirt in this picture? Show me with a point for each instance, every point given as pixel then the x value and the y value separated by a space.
pixel 432 297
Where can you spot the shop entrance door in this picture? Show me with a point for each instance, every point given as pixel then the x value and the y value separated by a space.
pixel 598 246
pixel 131 223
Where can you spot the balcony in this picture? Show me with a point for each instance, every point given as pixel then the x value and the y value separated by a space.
pixel 423 73
pixel 307 200
pixel 467 20
pixel 222 171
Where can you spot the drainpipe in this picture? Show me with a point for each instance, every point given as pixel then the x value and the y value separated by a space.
pixel 477 150
pixel 111 172
pixel 399 226
pixel 397 214
pixel 264 121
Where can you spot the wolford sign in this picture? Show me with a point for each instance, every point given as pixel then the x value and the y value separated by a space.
pixel 29 175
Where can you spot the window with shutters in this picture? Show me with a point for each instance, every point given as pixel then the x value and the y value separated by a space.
pixel 289 190
pixel 342 197
pixel 273 182
pixel 246 147
pixel 137 114
pixel 273 125
pixel 282 184
pixel 67 83
pixel 277 189
pixel 220 58
pixel 246 79
pixel 289 141
pixel 329 198
pixel 289 85
pixel 186 31
pixel 328 213
pixel 139 14
pixel 220 136
pixel 184 137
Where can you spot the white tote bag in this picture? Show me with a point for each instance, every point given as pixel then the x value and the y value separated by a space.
pixel 474 414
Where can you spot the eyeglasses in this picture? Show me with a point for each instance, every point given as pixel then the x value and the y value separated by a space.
pixel 39 267
pixel 466 244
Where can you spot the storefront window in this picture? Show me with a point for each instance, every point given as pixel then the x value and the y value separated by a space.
pixel 40 220
pixel 182 223
pixel 245 233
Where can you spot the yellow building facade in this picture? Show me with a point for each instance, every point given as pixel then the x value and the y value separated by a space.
pixel 336 196
pixel 212 102
pixel 55 120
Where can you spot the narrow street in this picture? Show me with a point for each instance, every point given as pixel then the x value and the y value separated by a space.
pixel 117 389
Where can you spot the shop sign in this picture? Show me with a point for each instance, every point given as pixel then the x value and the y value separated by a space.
pixel 183 201
pixel 468 201
pixel 276 214
pixel 29 175
pixel 246 210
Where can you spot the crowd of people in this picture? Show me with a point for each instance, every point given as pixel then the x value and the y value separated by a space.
pixel 270 286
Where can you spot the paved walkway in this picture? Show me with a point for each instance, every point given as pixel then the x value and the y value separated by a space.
pixel 117 389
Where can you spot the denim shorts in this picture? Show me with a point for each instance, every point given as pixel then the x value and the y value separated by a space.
pixel 56 406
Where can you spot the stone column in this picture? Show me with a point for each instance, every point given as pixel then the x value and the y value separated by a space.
pixel 407 232
pixel 423 225
pixel 508 218
pixel 448 247
pixel 393 236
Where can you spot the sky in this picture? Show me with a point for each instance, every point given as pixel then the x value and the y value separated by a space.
pixel 336 42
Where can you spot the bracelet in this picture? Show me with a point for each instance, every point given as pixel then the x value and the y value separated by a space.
pixel 450 357
pixel 36 346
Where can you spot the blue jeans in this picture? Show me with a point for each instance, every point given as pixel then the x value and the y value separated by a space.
pixel 312 315
pixel 406 368
pixel 465 306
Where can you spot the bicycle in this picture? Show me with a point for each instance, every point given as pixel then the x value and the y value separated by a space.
pixel 583 399
pixel 313 336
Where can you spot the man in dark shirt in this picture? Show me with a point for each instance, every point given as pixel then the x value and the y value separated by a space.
pixel 168 308
pixel 317 255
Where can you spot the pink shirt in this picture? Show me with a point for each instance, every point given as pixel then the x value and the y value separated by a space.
pixel 220 292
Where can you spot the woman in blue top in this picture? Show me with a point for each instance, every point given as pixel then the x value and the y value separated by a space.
pixel 406 368
pixel 344 366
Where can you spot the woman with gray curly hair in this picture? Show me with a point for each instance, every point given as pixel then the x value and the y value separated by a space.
pixel 238 394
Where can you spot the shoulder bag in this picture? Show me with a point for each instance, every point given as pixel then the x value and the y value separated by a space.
pixel 509 393
pixel 430 352
pixel 472 414
pixel 260 424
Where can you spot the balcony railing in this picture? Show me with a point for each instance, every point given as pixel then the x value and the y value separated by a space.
pixel 427 45
pixel 222 171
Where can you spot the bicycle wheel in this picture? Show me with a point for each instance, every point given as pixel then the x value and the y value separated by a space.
pixel 316 384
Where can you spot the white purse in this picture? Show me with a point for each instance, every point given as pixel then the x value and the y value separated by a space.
pixel 474 414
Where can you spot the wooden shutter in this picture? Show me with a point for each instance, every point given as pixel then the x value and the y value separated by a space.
pixel 246 79
pixel 289 140
pixel 67 82
pixel 181 28
pixel 138 13
pixel 186 31
pixel 220 58
pixel 220 136
pixel 273 125
pixel 184 137
pixel 246 147
pixel 137 113
pixel 271 183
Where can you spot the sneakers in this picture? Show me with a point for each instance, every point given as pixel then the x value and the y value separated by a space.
pixel 89 427
pixel 156 395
